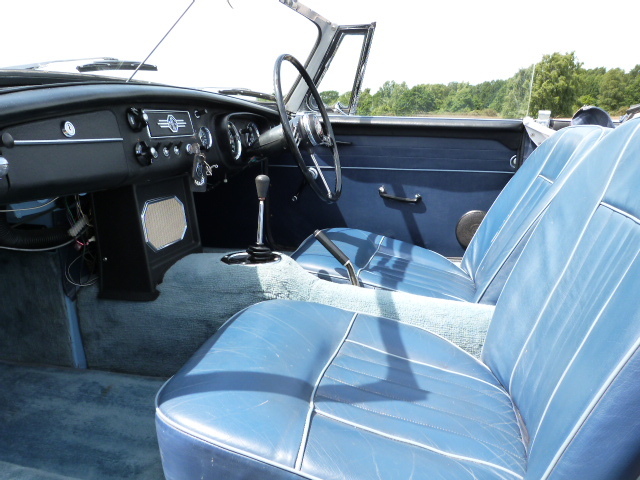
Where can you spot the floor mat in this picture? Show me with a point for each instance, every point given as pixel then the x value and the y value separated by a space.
pixel 77 424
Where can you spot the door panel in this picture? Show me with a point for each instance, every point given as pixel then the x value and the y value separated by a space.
pixel 454 165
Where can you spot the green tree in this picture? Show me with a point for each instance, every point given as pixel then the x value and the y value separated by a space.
pixel 486 93
pixel 387 100
pixel 422 98
pixel 515 94
pixel 330 97
pixel 365 102
pixel 589 84
pixel 633 87
pixel 555 84
pixel 345 99
pixel 613 90
pixel 463 99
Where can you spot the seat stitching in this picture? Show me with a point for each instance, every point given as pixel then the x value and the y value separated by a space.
pixel 542 177
pixel 511 454
pixel 570 258
pixel 621 212
pixel 453 372
pixel 583 420
pixel 382 237
pixel 586 337
pixel 413 443
pixel 425 406
pixel 307 423
pixel 412 372
pixel 415 388
pixel 534 222
pixel 459 277
pixel 560 136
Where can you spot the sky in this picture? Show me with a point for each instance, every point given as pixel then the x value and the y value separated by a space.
pixel 416 41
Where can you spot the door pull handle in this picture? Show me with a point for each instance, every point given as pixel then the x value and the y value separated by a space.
pixel 383 193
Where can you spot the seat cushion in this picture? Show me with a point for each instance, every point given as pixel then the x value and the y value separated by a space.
pixel 300 390
pixel 386 263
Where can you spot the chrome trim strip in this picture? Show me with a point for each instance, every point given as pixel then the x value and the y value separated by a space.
pixel 68 141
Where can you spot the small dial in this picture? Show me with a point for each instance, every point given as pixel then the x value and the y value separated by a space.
pixel 235 142
pixel 252 133
pixel 206 139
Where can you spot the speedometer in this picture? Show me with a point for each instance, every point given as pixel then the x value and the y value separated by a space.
pixel 206 139
pixel 235 142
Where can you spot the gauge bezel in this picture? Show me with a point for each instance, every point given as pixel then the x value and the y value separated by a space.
pixel 234 135
pixel 208 137
pixel 252 129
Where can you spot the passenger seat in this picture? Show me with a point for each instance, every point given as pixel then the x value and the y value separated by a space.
pixel 385 263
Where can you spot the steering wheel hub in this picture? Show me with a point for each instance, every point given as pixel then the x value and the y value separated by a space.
pixel 312 130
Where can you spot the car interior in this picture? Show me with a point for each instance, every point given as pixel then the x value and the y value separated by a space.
pixel 200 286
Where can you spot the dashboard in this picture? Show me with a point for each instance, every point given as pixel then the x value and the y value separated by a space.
pixel 69 139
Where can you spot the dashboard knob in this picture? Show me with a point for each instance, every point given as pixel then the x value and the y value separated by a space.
pixel 7 140
pixel 145 154
pixel 137 119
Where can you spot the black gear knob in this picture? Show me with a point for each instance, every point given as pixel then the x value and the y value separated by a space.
pixel 262 186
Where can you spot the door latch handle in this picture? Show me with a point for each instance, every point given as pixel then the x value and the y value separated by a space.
pixel 383 193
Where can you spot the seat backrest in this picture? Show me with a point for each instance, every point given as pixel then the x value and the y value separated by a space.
pixel 565 335
pixel 494 247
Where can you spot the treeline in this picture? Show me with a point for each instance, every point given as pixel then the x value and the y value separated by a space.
pixel 560 84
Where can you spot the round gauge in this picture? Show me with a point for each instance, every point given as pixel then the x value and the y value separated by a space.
pixel 252 133
pixel 206 139
pixel 234 140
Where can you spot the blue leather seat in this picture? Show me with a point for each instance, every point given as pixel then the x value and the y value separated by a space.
pixel 291 390
pixel 383 262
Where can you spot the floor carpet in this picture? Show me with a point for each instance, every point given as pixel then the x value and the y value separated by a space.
pixel 60 423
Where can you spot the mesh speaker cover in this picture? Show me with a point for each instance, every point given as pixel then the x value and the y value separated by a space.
pixel 164 222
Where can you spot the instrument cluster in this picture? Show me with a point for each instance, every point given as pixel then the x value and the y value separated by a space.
pixel 237 135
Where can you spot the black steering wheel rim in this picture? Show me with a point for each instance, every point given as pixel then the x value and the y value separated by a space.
pixel 328 195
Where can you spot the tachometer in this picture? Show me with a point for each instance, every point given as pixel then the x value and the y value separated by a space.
pixel 206 139
pixel 235 142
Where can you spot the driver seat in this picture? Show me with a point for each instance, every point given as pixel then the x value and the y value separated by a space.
pixel 386 263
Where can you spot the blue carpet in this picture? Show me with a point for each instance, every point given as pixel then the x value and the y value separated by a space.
pixel 60 423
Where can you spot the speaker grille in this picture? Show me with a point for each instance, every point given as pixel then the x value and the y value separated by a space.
pixel 164 222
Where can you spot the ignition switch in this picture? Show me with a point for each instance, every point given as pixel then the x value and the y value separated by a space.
pixel 145 154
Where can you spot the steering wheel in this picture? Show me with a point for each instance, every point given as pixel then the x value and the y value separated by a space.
pixel 307 131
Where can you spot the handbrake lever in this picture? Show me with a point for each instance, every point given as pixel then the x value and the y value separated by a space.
pixel 338 254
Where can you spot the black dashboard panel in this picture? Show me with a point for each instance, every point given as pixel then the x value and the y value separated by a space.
pixel 68 139
pixel 67 154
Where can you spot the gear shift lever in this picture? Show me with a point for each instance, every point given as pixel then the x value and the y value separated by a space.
pixel 262 187
pixel 258 252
